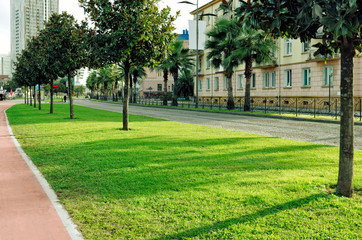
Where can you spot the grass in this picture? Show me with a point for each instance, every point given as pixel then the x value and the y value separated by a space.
pixel 168 180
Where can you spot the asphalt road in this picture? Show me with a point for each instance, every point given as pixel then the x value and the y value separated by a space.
pixel 324 133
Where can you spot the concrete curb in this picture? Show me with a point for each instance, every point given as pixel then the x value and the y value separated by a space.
pixel 63 214
pixel 240 114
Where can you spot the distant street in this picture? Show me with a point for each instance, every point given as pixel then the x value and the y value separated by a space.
pixel 324 133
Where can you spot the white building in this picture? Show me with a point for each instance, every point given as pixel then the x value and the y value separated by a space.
pixel 27 18
pixel 5 65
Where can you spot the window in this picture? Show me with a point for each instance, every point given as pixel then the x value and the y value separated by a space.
pixel 225 83
pixel 208 63
pixel 200 84
pixel 208 20
pixel 240 81
pixel 266 79
pixel 272 79
pixel 288 78
pixel 306 76
pixel 207 83
pixel 288 47
pixel 306 46
pixel 269 79
pixel 328 76
pixel 159 87
pixel 216 83
pixel 253 81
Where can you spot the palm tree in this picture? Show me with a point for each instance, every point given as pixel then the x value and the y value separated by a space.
pixel 91 82
pixel 164 68
pixel 254 46
pixel 179 58
pixel 185 85
pixel 138 73
pixel 222 43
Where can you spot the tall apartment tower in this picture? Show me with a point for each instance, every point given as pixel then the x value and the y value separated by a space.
pixel 27 19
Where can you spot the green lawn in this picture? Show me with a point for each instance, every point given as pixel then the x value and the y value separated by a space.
pixel 167 180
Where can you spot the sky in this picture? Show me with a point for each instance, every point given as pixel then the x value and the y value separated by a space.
pixel 72 7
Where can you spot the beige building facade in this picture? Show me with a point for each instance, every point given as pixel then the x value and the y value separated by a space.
pixel 153 84
pixel 295 71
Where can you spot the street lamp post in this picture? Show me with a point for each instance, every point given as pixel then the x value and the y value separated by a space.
pixel 197 50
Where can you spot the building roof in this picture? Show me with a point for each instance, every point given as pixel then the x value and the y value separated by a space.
pixel 184 36
pixel 203 7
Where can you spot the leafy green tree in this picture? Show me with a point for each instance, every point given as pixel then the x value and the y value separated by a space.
pixel 21 74
pixel 62 85
pixel 338 23
pixel 79 90
pixel 92 83
pixel 69 48
pixel 179 58
pixel 185 84
pixel 134 33
pixel 52 41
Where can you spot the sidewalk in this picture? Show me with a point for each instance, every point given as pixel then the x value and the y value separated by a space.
pixel 26 212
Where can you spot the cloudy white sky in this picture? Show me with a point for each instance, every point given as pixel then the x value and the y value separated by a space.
pixel 72 7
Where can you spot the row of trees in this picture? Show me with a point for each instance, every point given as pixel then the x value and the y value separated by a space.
pixel 127 35
pixel 59 50
pixel 232 43
pixel 179 63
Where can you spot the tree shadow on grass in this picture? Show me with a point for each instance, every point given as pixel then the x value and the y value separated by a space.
pixel 249 218
pixel 146 166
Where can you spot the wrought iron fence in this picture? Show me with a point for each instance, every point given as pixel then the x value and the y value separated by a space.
pixel 318 106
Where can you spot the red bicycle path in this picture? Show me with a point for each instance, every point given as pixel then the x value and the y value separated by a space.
pixel 26 212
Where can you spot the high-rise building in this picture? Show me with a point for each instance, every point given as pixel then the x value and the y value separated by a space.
pixel 27 19
pixel 5 65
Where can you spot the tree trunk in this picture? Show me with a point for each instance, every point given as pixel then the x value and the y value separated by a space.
pixel 105 91
pixel 135 76
pixel 131 88
pixel 116 87
pixel 248 72
pixel 30 97
pixel 230 103
pixel 39 98
pixel 34 95
pixel 175 78
pixel 51 96
pixel 165 79
pixel 25 95
pixel 97 91
pixel 92 91
pixel 346 150
pixel 113 91
pixel 126 96
pixel 70 95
